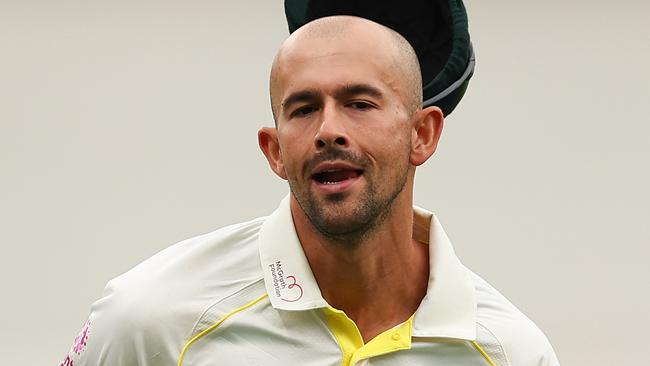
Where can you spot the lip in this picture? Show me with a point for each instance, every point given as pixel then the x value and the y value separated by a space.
pixel 338 187
pixel 332 165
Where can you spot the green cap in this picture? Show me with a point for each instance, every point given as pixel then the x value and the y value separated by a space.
pixel 437 30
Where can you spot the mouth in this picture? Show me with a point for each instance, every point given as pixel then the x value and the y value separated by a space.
pixel 335 177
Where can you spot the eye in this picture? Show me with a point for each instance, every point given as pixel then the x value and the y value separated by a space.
pixel 361 105
pixel 304 111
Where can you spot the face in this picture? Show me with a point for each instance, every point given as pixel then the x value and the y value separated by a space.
pixel 344 134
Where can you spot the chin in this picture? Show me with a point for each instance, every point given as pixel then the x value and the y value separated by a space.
pixel 341 220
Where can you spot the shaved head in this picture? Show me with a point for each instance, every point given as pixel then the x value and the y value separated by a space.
pixel 346 31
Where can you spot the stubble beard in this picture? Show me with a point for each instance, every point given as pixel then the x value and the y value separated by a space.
pixel 356 224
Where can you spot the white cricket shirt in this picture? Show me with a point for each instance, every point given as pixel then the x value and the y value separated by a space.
pixel 245 295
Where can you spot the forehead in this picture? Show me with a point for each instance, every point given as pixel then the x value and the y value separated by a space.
pixel 333 62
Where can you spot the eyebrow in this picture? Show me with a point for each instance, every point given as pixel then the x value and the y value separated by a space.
pixel 358 89
pixel 346 91
pixel 298 97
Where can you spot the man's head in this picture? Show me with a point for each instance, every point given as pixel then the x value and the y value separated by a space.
pixel 346 96
pixel 353 33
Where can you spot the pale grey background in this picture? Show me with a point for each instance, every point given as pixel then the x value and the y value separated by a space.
pixel 126 126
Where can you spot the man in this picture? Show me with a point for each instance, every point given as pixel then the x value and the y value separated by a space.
pixel 346 271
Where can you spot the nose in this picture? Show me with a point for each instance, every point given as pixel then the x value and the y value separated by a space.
pixel 332 130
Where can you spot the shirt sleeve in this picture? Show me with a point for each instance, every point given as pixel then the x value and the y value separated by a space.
pixel 507 334
pixel 122 330
pixel 533 349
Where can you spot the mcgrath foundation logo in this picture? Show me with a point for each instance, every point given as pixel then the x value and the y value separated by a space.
pixel 286 288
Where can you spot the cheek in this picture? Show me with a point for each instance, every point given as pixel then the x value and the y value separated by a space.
pixel 393 141
pixel 293 153
pixel 402 135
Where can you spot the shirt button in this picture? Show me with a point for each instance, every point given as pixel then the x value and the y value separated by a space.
pixel 396 336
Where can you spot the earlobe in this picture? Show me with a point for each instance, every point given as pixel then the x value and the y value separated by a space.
pixel 267 138
pixel 426 134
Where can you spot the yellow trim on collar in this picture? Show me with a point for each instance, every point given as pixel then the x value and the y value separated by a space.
pixel 351 342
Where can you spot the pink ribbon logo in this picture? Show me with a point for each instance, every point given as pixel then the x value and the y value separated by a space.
pixel 291 286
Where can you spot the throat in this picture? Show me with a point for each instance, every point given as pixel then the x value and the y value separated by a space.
pixel 377 296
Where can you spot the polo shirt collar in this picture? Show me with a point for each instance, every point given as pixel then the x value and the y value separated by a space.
pixel 288 278
pixel 448 310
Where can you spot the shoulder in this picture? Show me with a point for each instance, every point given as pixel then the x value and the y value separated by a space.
pixel 224 254
pixel 506 333
pixel 149 311
pixel 213 263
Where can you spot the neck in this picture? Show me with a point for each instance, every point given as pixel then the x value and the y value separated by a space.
pixel 379 281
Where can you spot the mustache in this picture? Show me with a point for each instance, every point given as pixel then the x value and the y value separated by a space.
pixel 332 153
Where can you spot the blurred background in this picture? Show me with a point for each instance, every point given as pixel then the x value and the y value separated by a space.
pixel 126 126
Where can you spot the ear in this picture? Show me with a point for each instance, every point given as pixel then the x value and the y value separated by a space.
pixel 267 137
pixel 426 134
